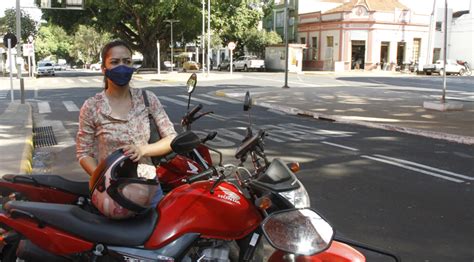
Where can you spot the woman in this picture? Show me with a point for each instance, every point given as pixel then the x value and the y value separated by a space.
pixel 117 118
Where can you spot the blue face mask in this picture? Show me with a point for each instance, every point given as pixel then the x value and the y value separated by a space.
pixel 120 75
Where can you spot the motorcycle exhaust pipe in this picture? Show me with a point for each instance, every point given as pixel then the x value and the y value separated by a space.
pixel 31 252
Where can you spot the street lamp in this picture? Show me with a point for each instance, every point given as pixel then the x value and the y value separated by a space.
pixel 171 21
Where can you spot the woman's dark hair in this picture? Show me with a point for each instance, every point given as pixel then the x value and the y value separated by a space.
pixel 109 46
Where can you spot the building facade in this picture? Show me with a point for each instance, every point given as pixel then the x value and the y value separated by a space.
pixel 363 34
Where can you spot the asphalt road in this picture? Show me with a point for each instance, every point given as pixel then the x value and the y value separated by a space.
pixel 406 194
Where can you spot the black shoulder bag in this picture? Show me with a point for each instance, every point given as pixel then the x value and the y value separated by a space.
pixel 154 134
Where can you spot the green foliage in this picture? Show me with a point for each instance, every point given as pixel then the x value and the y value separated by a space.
pixel 87 44
pixel 256 41
pixel 142 23
pixel 52 43
pixel 8 24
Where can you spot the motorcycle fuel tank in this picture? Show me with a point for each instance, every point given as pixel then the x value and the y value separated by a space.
pixel 191 208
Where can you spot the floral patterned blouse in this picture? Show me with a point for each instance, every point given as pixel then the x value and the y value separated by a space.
pixel 100 134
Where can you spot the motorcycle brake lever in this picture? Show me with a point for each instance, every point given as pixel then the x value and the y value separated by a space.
pixel 201 115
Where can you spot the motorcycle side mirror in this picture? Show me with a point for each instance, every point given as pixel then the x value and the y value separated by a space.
pixel 191 84
pixel 247 101
pixel 298 231
pixel 185 142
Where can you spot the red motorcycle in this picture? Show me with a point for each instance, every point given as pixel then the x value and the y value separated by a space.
pixel 171 171
pixel 208 218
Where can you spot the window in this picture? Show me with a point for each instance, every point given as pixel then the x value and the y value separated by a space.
pixel 438 26
pixel 305 53
pixel 314 48
pixel 279 19
pixel 330 41
pixel 303 40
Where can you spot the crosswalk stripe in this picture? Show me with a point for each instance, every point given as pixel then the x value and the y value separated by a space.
pixel 69 81
pixel 84 80
pixel 199 100
pixel 172 100
pixel 55 81
pixel 43 107
pixel 70 106
pixel 97 80
pixel 228 100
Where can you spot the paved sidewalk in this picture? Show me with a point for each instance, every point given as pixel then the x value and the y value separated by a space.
pixel 16 139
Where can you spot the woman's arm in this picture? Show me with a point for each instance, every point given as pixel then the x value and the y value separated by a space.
pixel 88 164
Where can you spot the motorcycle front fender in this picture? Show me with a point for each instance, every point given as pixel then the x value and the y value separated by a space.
pixel 338 251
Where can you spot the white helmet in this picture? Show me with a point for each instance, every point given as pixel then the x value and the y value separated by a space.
pixel 117 191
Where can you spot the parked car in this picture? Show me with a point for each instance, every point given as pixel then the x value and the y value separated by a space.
pixel 137 64
pixel 44 68
pixel 247 63
pixel 96 66
pixel 452 67
pixel 190 65
pixel 167 64
pixel 224 65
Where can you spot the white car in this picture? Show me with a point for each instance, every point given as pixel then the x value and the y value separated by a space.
pixel 96 66
pixel 44 68
pixel 246 63
pixel 452 67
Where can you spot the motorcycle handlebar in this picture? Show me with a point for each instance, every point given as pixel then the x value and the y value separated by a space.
pixel 193 111
pixel 206 173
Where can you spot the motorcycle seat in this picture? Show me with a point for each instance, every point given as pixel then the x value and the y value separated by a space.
pixel 55 181
pixel 91 227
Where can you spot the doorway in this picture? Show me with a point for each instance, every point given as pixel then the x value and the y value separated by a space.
pixel 400 54
pixel 358 54
pixel 384 51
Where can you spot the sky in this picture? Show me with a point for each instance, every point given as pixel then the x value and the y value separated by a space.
pixel 419 6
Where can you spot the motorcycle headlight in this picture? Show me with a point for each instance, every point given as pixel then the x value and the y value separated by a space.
pixel 299 197
pixel 298 231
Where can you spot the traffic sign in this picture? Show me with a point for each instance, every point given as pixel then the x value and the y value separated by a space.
pixel 28 49
pixel 12 38
pixel 231 45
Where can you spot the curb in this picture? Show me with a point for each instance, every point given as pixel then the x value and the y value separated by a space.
pixel 468 140
pixel 26 165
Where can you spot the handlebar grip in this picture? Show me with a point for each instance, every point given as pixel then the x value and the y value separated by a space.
pixel 205 173
pixel 194 110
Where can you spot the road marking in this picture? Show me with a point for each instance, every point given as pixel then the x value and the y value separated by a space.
pixel 172 100
pixel 228 100
pixel 278 112
pixel 55 81
pixel 341 146
pixel 97 80
pixel 413 169
pixel 197 99
pixel 43 107
pixel 70 106
pixel 70 81
pixel 218 117
pixel 83 80
pixel 3 94
pixel 426 167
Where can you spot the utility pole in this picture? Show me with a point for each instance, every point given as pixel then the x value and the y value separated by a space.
pixel 208 36
pixel 171 21
pixel 203 34
pixel 286 45
pixel 445 51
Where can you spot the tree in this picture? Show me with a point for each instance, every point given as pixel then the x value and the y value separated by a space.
pixel 8 24
pixel 87 44
pixel 141 23
pixel 256 41
pixel 138 22
pixel 53 43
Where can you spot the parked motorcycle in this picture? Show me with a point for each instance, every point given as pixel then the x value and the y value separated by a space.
pixel 467 68
pixel 171 171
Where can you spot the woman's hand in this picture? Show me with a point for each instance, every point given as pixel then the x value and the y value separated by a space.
pixel 133 151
